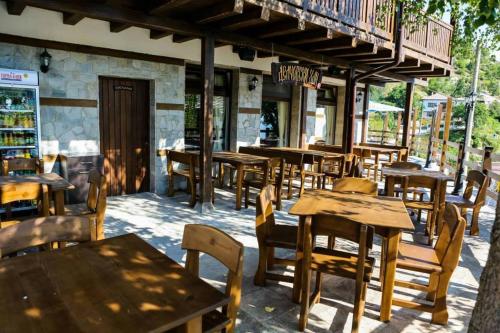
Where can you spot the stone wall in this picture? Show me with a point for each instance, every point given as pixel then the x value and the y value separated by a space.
pixel 248 128
pixel 73 130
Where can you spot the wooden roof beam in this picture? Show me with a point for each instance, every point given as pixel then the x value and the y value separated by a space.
pixel 245 20
pixel 435 72
pixel 72 19
pixel 178 38
pixel 160 7
pixel 425 68
pixel 118 27
pixel 15 7
pixel 370 58
pixel 409 63
pixel 334 44
pixel 219 12
pixel 362 50
pixel 307 37
pixel 280 29
pixel 158 34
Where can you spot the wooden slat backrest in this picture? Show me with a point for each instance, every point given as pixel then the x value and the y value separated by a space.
pixel 479 179
pixel 24 192
pixel 340 228
pixel 403 165
pixel 264 215
pixel 96 200
pixel 216 243
pixel 22 164
pixel 45 230
pixel 181 157
pixel 355 185
pixel 449 244
pixel 423 182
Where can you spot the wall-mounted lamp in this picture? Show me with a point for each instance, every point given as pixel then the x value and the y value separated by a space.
pixel 252 85
pixel 45 58
pixel 359 96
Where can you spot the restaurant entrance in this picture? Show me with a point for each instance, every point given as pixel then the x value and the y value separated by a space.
pixel 124 134
pixel 276 113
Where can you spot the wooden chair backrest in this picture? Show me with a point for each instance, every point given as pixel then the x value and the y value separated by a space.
pixel 216 243
pixel 293 158
pixel 352 165
pixel 96 198
pixel 22 164
pixel 44 230
pixel 355 185
pixel 449 244
pixel 477 179
pixel 403 165
pixel 423 182
pixel 403 155
pixel 182 157
pixel 24 192
pixel 264 214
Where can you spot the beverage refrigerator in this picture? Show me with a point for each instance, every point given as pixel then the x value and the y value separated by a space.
pixel 19 114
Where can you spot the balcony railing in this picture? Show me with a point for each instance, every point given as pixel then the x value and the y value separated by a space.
pixel 432 39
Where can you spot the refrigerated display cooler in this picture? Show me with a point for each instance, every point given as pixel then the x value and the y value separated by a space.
pixel 19 114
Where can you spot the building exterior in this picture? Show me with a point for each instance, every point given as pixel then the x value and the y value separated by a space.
pixel 125 83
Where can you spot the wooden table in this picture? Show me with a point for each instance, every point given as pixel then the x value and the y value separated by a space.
pixel 376 152
pixel 392 175
pixel 239 161
pixel 119 284
pixel 57 185
pixel 387 215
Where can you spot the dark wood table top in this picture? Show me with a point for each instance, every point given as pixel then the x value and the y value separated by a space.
pixel 56 182
pixel 119 284
pixel 371 210
pixel 395 172
pixel 238 158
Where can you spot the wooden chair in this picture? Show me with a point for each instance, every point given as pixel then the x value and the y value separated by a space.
pixel 438 262
pixel 95 207
pixel 355 185
pixel 407 166
pixel 202 238
pixel 22 164
pixel 312 170
pixel 26 191
pixel 294 167
pixel 354 266
pixel 253 179
pixel 45 230
pixel 474 179
pixel 365 155
pixel 334 169
pixel 431 205
pixel 270 236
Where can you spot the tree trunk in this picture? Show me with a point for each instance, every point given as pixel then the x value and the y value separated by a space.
pixel 486 314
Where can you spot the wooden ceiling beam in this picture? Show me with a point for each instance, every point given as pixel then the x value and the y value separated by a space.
pixel 425 68
pixel 245 20
pixel 371 58
pixel 435 72
pixel 72 19
pixel 15 7
pixel 118 27
pixel 362 50
pixel 280 29
pixel 334 44
pixel 160 7
pixel 219 12
pixel 158 34
pixel 179 38
pixel 307 37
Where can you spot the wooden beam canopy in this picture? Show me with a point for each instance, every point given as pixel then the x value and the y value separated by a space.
pixel 72 19
pixel 118 27
pixel 15 7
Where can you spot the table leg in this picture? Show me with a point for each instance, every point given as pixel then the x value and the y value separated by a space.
pixel 320 170
pixel 375 167
pixel 221 175
pixel 59 202
pixel 239 185
pixel 192 326
pixel 297 275
pixel 391 157
pixel 389 274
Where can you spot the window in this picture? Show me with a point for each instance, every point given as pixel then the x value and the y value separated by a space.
pixel 222 94
pixel 326 115
pixel 275 114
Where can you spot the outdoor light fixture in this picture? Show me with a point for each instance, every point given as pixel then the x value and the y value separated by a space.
pixel 246 53
pixel 45 58
pixel 253 83
pixel 359 95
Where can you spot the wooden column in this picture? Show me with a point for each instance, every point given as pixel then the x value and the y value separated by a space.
pixel 349 111
pixel 364 124
pixel 303 118
pixel 385 128
pixel 410 87
pixel 206 124
pixel 446 133
pixel 437 130
pixel 413 133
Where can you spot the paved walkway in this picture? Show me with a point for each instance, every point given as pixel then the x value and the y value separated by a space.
pixel 160 221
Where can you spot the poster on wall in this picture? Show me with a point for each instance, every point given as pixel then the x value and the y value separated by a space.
pixel 15 76
pixel 291 73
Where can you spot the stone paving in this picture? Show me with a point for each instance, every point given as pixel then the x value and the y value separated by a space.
pixel 160 221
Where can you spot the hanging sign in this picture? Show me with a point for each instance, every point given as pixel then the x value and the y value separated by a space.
pixel 290 73
pixel 14 76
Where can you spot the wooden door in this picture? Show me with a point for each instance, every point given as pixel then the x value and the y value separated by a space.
pixel 124 131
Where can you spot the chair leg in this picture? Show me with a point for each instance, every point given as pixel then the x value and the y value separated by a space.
pixel 260 275
pixel 192 189
pixel 313 182
pixel 419 218
pixel 431 224
pixel 433 284
pixel 290 182
pixel 247 195
pixel 171 186
pixel 317 287
pixel 440 313
pixel 270 258
pixel 474 224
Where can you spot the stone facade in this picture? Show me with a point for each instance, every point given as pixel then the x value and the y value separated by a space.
pixel 75 131
pixel 248 128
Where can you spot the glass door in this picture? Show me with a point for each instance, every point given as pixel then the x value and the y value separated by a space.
pixel 274 124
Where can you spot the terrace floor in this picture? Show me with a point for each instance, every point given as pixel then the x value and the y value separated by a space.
pixel 160 221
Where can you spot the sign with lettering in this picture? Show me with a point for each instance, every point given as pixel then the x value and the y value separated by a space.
pixel 15 76
pixel 290 73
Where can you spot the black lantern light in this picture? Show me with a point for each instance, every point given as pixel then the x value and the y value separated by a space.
pixel 253 83
pixel 45 58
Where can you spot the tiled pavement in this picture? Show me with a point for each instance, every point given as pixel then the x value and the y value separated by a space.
pixel 160 221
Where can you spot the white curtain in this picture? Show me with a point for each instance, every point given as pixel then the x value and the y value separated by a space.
pixel 218 122
pixel 282 122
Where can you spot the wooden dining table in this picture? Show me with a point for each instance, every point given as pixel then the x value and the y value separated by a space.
pixel 388 216
pixel 119 284
pixel 393 176
pixel 57 186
